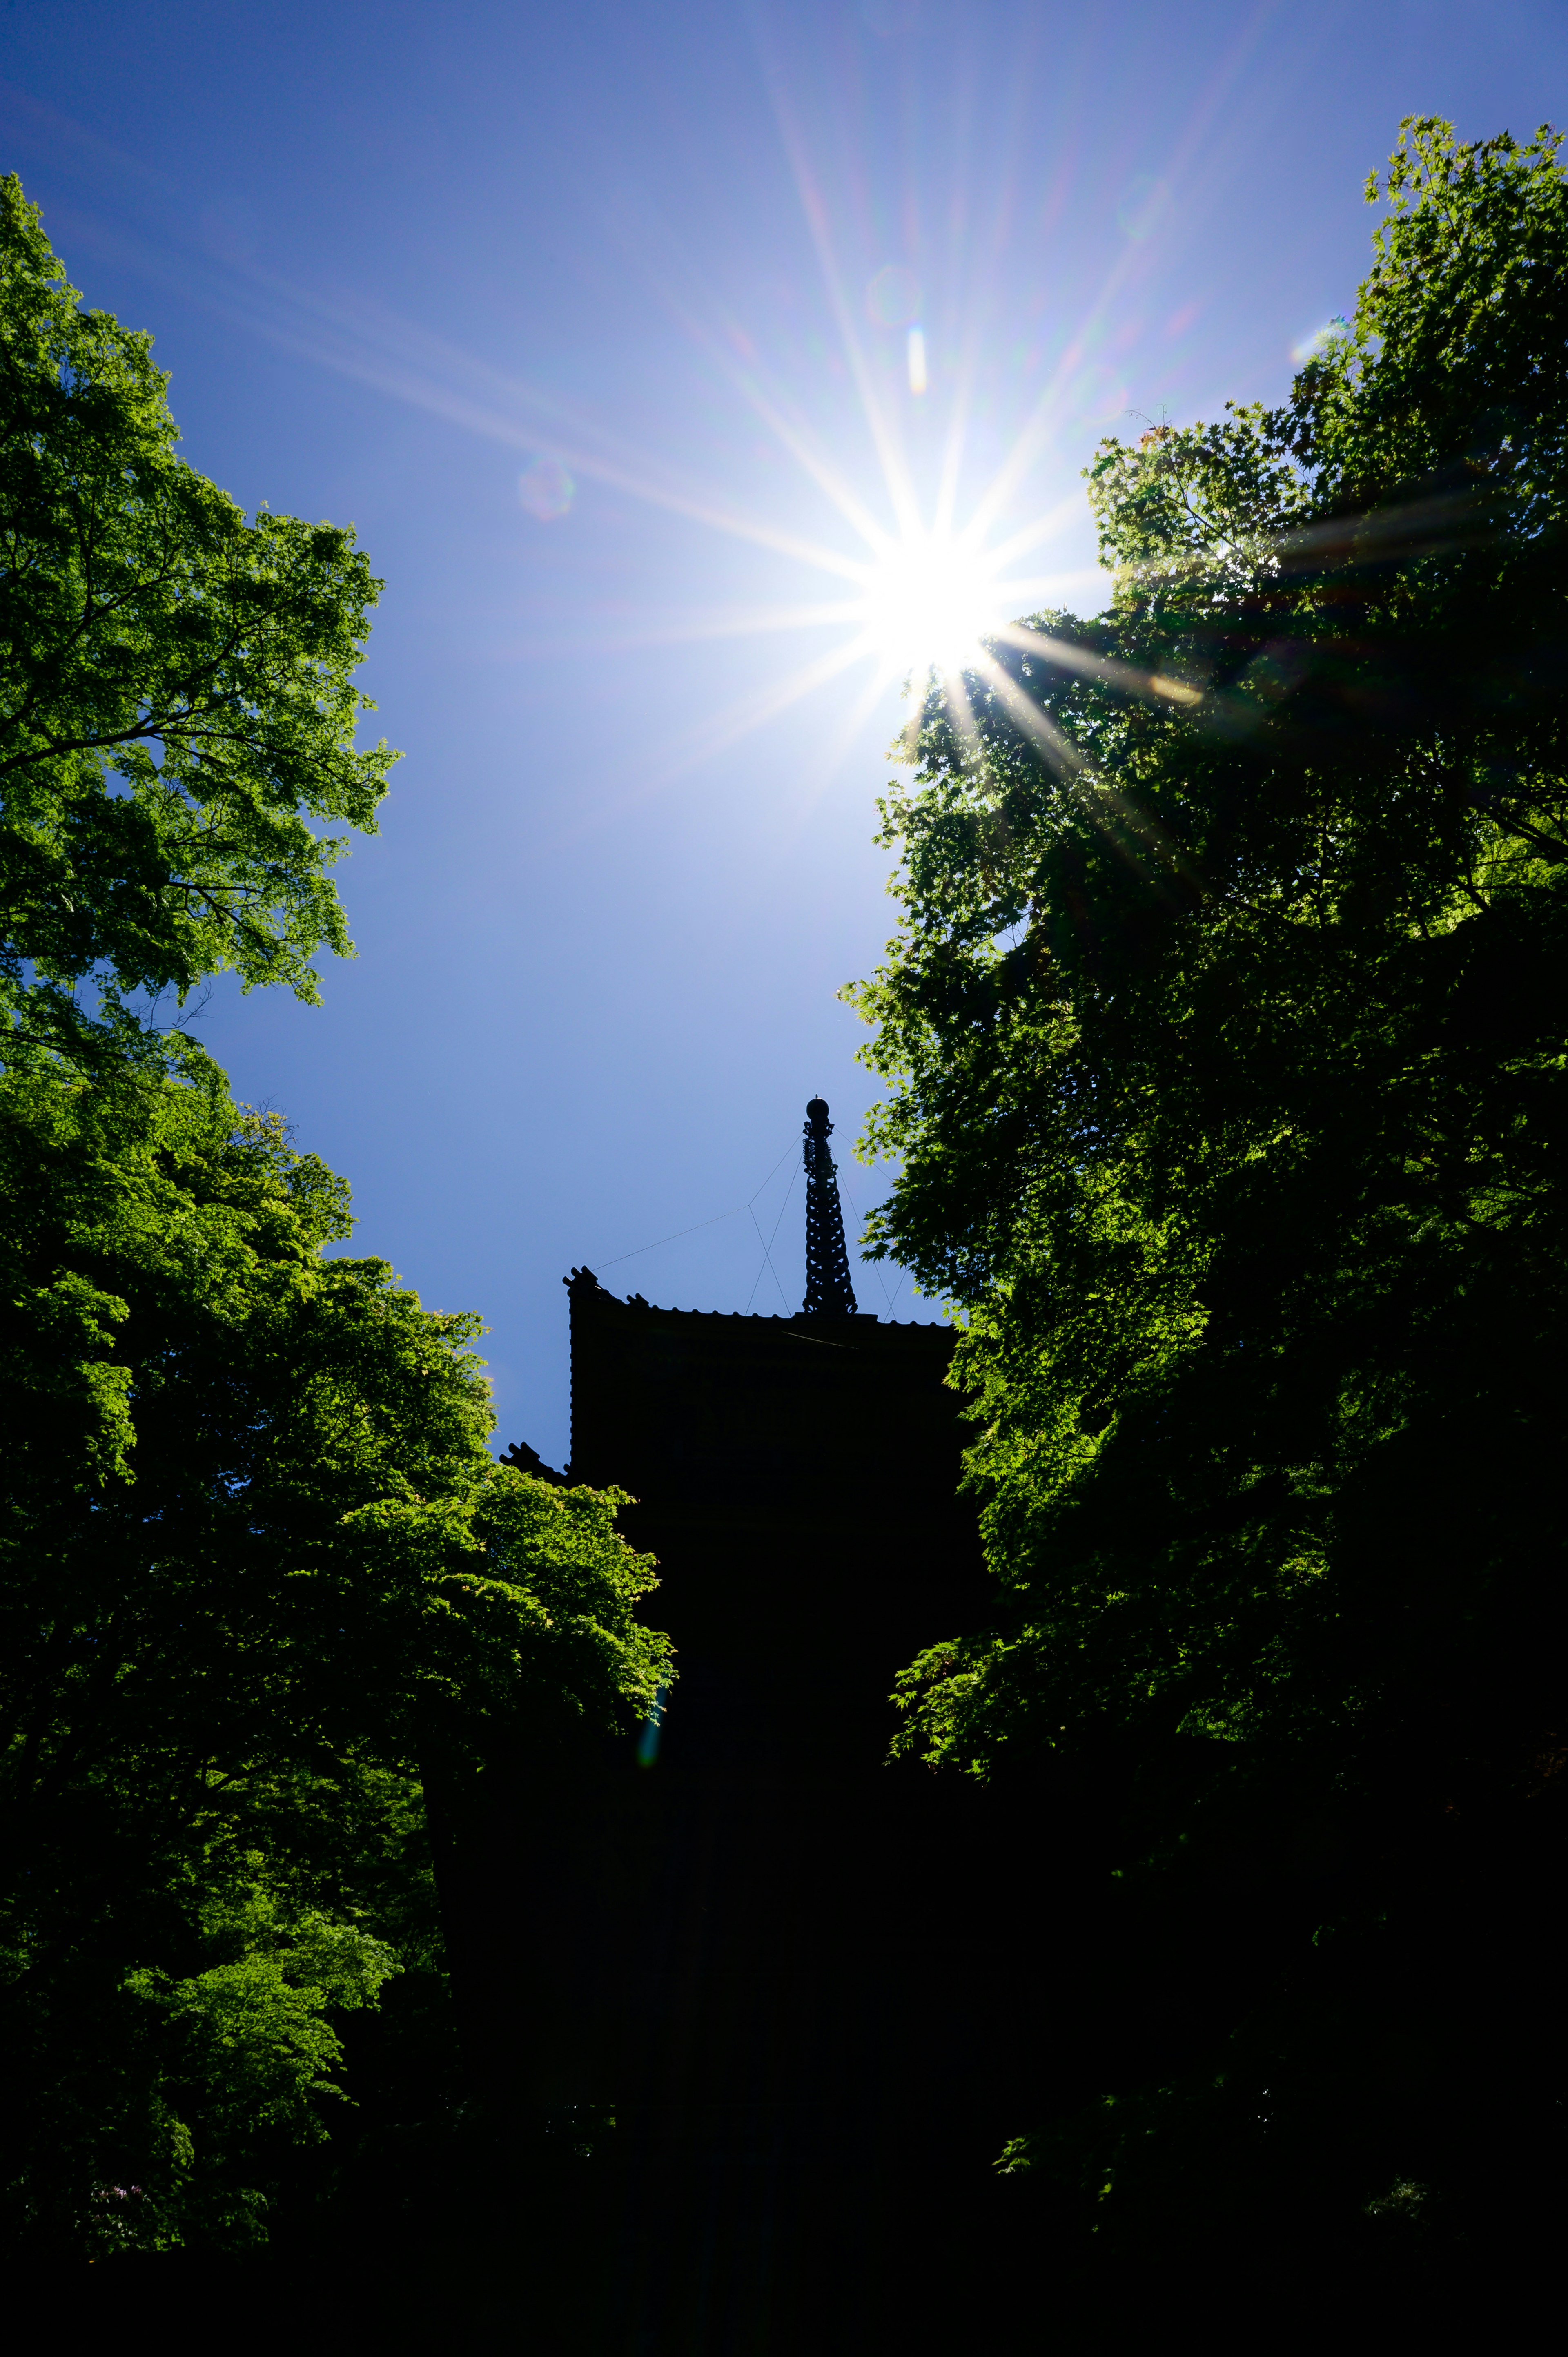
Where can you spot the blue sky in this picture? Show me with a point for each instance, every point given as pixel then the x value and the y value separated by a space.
pixel 596 322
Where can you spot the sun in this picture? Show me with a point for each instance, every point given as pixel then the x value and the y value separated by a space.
pixel 928 603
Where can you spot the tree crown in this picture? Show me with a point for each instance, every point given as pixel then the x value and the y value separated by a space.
pixel 177 710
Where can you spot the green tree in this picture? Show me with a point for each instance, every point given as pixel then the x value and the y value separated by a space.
pixel 177 700
pixel 1227 1032
pixel 260 1581
pixel 262 1589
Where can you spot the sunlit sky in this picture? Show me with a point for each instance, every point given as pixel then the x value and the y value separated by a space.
pixel 686 370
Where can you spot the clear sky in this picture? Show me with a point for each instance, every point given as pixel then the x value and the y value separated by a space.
pixel 606 326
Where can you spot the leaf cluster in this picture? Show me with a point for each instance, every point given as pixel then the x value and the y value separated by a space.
pixel 177 709
pixel 1226 1033
pixel 260 1580
pixel 270 1614
pixel 1226 1025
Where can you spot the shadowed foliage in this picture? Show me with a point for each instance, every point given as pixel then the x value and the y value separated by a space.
pixel 268 1609
pixel 1227 1031
pixel 260 1584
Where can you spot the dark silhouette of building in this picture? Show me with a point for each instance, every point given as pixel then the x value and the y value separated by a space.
pixel 829 1293
pixel 787 1471
pixel 733 1930
pixel 814 1459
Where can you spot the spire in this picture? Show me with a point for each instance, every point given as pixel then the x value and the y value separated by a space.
pixel 829 1293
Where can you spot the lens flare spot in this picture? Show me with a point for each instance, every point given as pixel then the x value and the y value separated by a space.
pixel 917 360
pixel 1141 206
pixel 1094 396
pixel 652 1729
pixel 1320 338
pixel 893 297
pixel 546 490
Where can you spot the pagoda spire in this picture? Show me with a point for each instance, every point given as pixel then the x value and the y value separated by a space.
pixel 829 1293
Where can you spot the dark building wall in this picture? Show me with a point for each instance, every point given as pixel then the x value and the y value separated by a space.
pixel 777 1957
pixel 797 1480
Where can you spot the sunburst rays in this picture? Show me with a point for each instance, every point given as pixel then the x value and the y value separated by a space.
pixel 917 575
pixel 909 585
pixel 919 560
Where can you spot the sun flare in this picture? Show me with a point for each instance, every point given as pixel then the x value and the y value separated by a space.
pixel 924 571
pixel 928 603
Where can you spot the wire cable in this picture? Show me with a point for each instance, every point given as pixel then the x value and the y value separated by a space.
pixel 701 1224
pixel 768 1247
pixel 881 1280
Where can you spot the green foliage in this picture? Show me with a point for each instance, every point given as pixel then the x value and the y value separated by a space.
pixel 259 1579
pixel 250 2035
pixel 176 704
pixel 1227 1031
pixel 261 1587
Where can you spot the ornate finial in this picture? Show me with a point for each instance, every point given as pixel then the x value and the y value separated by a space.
pixel 829 1293
pixel 529 1461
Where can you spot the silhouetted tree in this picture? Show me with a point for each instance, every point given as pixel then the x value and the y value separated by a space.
pixel 1227 1035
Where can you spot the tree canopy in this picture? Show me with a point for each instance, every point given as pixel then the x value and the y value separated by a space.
pixel 1225 1028
pixel 260 1578
pixel 178 707
pixel 263 1589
